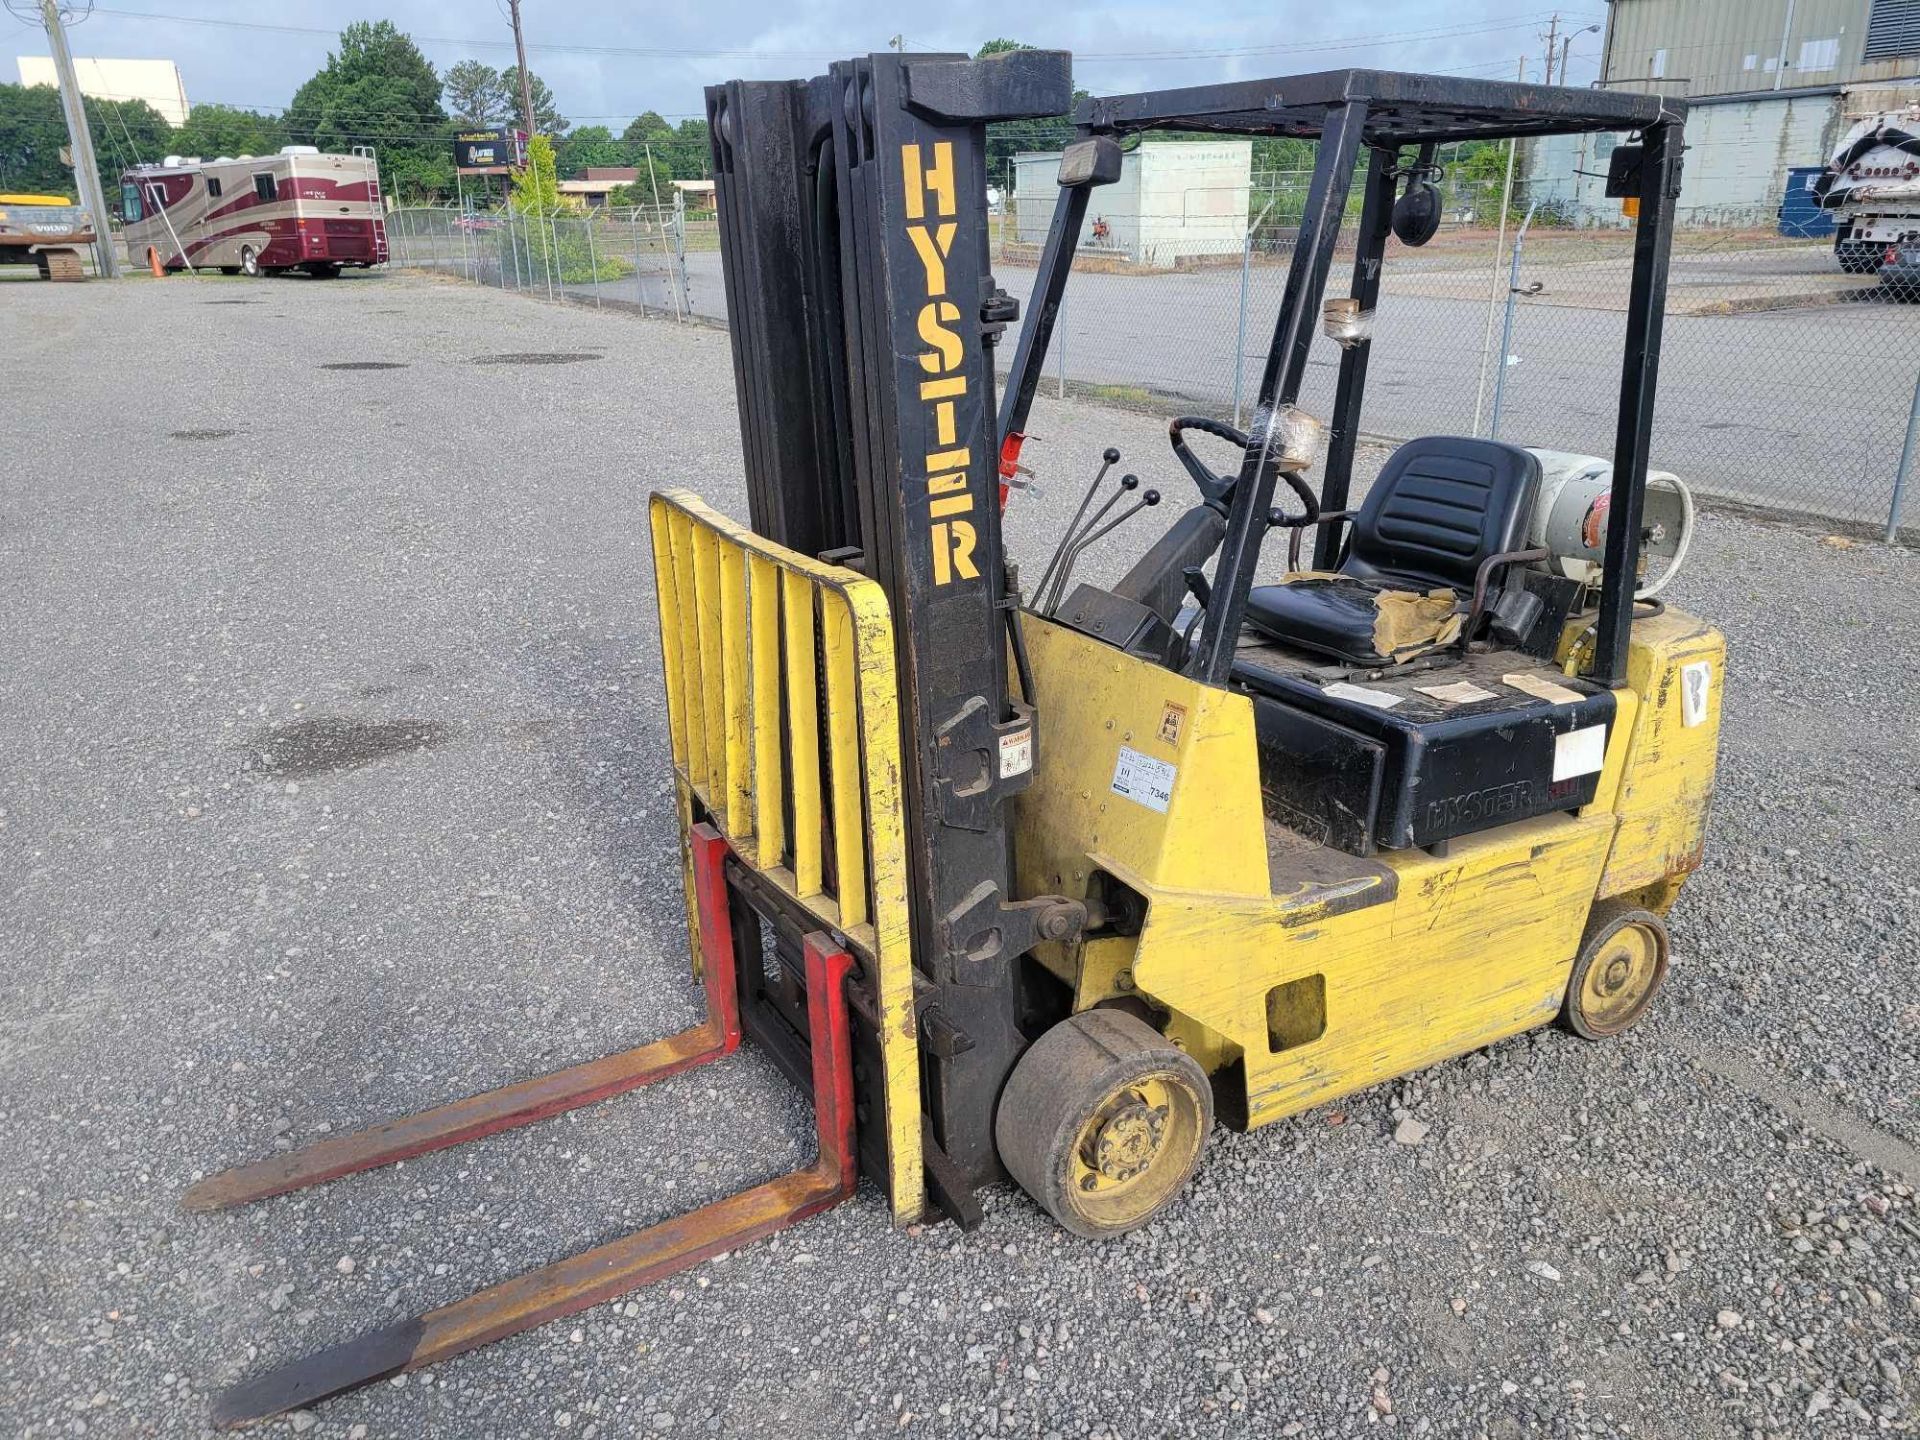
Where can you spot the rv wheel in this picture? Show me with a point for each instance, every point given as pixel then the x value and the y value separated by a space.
pixel 249 261
pixel 324 272
pixel 229 269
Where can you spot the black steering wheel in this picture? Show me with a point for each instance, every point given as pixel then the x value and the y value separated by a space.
pixel 1217 490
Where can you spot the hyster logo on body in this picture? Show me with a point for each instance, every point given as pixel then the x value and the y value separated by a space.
pixel 932 205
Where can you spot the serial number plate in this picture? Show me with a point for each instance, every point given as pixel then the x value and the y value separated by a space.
pixel 1143 779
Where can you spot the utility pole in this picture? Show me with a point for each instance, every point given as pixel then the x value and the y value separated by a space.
pixel 86 173
pixel 526 80
pixel 1553 38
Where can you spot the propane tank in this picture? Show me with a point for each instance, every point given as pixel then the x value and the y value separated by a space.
pixel 1570 519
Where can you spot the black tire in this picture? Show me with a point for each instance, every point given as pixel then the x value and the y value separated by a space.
pixel 324 272
pixel 229 269
pixel 1621 966
pixel 249 262
pixel 1103 1122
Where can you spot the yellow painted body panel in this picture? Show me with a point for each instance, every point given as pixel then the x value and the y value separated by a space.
pixel 739 618
pixel 1667 782
pixel 1468 949
pixel 1291 980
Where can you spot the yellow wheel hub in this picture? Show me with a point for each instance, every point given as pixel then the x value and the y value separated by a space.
pixel 1134 1150
pixel 1621 978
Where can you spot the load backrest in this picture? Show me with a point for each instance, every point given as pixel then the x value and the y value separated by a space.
pixel 1441 505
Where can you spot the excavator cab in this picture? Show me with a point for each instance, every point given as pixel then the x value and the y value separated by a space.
pixel 1043 883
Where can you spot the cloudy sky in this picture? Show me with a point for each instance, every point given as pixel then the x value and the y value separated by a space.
pixel 608 61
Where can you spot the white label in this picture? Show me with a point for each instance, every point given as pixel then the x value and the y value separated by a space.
pixel 1016 753
pixel 1143 779
pixel 1542 688
pixel 1696 685
pixel 1461 692
pixel 1579 752
pixel 1360 694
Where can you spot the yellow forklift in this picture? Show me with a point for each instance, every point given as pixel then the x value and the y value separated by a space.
pixel 1041 885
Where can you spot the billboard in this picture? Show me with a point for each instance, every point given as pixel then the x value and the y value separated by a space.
pixel 489 152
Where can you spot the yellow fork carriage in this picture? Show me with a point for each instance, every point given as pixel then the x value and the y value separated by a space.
pixel 759 644
pixel 1040 887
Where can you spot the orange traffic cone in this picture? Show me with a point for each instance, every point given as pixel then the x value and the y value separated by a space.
pixel 153 263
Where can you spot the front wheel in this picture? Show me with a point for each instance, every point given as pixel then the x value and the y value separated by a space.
pixel 1103 1122
pixel 249 261
pixel 1621 967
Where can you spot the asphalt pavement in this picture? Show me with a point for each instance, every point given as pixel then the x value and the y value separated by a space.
pixel 334 784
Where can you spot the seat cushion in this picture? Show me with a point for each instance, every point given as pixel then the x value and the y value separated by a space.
pixel 1328 617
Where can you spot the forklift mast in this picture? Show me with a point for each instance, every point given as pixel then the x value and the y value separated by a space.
pixel 863 315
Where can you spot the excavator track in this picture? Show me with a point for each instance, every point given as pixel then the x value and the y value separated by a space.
pixel 61 265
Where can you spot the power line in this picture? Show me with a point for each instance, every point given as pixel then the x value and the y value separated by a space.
pixel 1348 42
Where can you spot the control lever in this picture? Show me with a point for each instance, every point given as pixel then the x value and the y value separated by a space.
pixel 1050 594
pixel 1146 502
pixel 1109 458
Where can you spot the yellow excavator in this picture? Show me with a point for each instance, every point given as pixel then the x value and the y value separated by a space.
pixel 1040 883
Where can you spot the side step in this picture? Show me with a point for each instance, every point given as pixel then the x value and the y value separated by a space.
pixel 581 1281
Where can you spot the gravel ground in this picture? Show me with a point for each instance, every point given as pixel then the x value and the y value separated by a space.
pixel 332 784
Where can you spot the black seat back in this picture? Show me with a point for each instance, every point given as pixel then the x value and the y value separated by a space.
pixel 1441 506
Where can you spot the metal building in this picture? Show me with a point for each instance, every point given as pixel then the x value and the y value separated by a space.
pixel 158 82
pixel 1174 201
pixel 1771 85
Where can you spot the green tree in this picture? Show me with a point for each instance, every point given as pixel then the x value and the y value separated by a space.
pixel 476 96
pixel 692 151
pixel 378 90
pixel 127 133
pixel 591 145
pixel 648 130
pixel 32 131
pixel 549 241
pixel 536 185
pixel 640 192
pixel 546 115
pixel 213 130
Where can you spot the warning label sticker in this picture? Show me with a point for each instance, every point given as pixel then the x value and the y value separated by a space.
pixel 1016 753
pixel 1696 687
pixel 1143 779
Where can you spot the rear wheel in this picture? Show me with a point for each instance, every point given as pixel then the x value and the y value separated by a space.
pixel 229 269
pixel 249 261
pixel 1103 1121
pixel 1621 967
pixel 324 272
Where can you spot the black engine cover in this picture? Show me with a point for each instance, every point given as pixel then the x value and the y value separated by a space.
pixel 1356 776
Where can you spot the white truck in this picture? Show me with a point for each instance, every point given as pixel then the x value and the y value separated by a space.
pixel 1872 185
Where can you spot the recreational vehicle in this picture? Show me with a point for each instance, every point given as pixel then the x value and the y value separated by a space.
pixel 256 215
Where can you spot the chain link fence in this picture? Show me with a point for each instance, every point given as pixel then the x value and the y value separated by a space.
pixel 631 258
pixel 1785 382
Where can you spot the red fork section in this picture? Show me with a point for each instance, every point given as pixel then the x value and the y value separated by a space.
pixel 530 1100
pixel 575 1284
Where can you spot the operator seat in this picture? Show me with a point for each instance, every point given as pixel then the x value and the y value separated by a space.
pixel 1440 507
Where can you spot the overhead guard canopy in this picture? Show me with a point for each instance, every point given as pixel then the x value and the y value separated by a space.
pixel 1401 109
